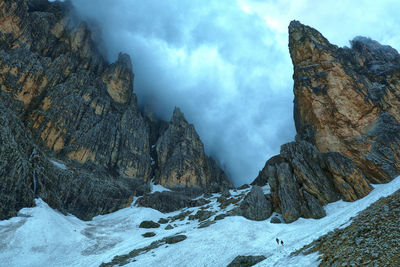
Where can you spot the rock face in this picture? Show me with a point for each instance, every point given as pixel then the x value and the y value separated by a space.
pixel 255 206
pixel 181 159
pixel 26 173
pixel 168 201
pixel 347 122
pixel 302 180
pixel 61 99
pixel 347 100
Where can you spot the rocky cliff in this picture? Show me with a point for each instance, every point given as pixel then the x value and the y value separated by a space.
pixel 346 111
pixel 67 103
pixel 181 160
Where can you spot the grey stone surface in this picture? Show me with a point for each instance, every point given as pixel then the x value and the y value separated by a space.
pixel 275 220
pixel 246 261
pixel 255 206
pixel 302 180
pixel 181 160
pixel 149 224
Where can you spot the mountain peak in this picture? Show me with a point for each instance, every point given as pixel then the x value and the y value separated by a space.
pixel 304 40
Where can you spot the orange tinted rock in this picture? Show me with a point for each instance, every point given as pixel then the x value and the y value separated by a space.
pixel 336 99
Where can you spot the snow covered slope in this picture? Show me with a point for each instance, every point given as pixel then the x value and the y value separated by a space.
pixel 41 236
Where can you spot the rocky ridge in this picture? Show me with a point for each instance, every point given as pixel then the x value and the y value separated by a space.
pixel 68 104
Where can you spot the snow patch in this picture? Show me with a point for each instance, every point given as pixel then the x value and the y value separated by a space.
pixel 59 165
pixel 157 187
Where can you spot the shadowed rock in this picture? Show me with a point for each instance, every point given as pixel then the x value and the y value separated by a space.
pixel 246 261
pixel 181 159
pixel 302 180
pixel 168 201
pixel 255 206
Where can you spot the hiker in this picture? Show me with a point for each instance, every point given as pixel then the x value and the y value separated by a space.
pixel 277 241
pixel 281 242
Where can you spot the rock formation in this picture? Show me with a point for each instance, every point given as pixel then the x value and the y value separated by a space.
pixel 181 159
pixel 67 103
pixel 347 100
pixel 346 114
pixel 255 206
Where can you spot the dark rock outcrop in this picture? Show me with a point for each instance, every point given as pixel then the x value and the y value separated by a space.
pixel 149 224
pixel 275 220
pixel 302 180
pixel 246 261
pixel 149 234
pixel 255 206
pixel 168 201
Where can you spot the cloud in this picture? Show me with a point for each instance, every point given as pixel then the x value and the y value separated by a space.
pixel 226 63
pixel 338 20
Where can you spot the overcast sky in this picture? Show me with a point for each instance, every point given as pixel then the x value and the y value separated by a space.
pixel 226 63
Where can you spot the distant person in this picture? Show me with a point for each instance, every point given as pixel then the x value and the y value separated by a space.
pixel 277 241
pixel 281 242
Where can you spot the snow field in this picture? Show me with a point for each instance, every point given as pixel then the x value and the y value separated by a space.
pixel 41 236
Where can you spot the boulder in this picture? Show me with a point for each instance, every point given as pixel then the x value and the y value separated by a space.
pixel 169 227
pixel 149 234
pixel 174 239
pixel 275 220
pixel 246 261
pixel 255 206
pixel 149 224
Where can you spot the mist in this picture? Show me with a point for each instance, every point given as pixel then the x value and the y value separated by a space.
pixel 226 63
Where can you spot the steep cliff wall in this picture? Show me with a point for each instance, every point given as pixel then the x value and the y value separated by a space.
pixel 72 105
pixel 346 111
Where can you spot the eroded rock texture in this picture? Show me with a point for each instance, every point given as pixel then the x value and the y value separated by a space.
pixel 347 120
pixel 255 205
pixel 302 180
pixel 181 159
pixel 26 173
pixel 347 100
pixel 68 103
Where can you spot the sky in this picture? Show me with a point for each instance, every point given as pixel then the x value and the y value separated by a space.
pixel 226 64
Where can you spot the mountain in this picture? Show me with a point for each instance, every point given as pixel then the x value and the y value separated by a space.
pixel 62 104
pixel 346 112
pixel 73 139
